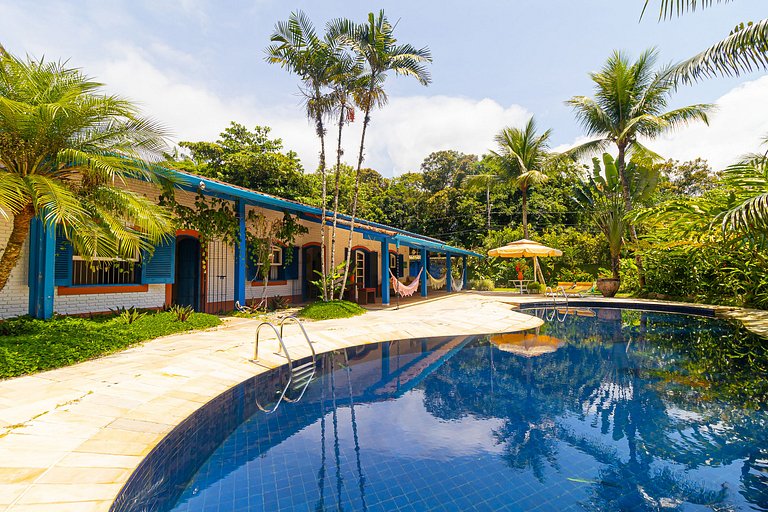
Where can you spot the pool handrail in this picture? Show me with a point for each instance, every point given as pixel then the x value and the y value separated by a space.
pixel 290 366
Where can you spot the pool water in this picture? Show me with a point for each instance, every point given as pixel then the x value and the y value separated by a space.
pixel 596 410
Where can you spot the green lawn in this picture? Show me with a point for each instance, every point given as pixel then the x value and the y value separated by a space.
pixel 328 310
pixel 29 346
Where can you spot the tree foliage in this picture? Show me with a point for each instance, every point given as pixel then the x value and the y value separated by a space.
pixel 248 158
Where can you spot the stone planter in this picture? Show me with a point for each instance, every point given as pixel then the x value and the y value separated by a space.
pixel 608 286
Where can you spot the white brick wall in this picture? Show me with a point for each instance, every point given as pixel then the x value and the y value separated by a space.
pixel 14 298
pixel 154 297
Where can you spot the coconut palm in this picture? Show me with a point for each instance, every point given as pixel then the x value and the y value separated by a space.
pixel 376 47
pixel 297 48
pixel 743 51
pixel 66 150
pixel 523 155
pixel 630 103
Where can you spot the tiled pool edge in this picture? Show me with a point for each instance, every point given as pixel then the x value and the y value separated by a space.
pixel 100 419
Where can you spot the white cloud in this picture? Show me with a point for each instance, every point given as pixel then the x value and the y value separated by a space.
pixel 400 136
pixel 408 129
pixel 735 129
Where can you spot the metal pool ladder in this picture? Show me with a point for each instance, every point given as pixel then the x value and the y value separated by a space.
pixel 553 292
pixel 299 377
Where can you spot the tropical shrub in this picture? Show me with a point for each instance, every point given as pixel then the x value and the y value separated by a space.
pixel 481 284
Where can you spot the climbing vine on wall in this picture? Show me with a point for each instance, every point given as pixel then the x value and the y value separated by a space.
pixel 215 219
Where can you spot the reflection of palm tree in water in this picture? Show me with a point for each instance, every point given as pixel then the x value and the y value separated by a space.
pixel 321 472
pixel 530 437
pixel 336 444
pixel 360 476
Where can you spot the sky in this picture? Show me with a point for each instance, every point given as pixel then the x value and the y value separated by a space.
pixel 196 65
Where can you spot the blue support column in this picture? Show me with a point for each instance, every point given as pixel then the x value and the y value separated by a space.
pixel 385 271
pixel 464 272
pixel 240 255
pixel 424 269
pixel 42 254
pixel 448 276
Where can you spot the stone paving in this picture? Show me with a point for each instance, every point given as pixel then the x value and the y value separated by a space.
pixel 70 438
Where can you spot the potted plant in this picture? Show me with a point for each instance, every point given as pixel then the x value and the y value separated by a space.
pixel 608 284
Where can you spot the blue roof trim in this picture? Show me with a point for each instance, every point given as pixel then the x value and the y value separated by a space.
pixel 216 188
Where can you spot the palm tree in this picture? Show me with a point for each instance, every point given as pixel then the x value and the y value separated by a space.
pixel 345 84
pixel 297 48
pixel 743 51
pixel 65 152
pixel 629 104
pixel 375 45
pixel 523 156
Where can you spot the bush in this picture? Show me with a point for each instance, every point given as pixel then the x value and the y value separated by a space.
pixel 629 276
pixel 482 284
pixel 37 345
pixel 534 287
pixel 332 309
pixel 277 302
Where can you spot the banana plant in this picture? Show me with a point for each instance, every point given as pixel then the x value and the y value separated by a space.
pixel 601 196
pixel 642 177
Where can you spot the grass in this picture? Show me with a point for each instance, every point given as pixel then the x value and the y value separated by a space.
pixel 29 346
pixel 328 310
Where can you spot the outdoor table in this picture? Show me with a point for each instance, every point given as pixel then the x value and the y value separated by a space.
pixel 519 283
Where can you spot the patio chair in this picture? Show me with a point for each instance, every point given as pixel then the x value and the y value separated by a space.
pixel 579 289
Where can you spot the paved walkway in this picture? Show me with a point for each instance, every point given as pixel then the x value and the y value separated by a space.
pixel 70 438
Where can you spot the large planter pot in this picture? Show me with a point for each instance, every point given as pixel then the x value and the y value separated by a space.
pixel 608 286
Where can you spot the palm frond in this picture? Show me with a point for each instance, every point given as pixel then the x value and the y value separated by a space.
pixel 12 193
pixel 54 201
pixel 588 148
pixel 749 216
pixel 744 51
pixel 670 8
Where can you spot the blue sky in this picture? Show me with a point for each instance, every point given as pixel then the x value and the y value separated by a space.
pixel 195 65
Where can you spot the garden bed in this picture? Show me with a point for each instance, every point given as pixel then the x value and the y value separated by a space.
pixel 28 345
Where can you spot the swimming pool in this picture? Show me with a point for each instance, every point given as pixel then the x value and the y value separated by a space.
pixel 599 409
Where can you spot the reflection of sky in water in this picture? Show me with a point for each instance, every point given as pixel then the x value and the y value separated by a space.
pixel 591 426
pixel 411 432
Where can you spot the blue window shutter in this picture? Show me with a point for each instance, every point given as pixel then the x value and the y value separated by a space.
pixel 160 266
pixel 400 266
pixel 62 274
pixel 292 269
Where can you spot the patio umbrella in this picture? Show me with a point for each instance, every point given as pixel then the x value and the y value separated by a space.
pixel 527 249
pixel 527 344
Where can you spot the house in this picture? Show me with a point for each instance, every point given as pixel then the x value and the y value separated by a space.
pixel 51 279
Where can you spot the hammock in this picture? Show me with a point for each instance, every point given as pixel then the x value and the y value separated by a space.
pixel 457 284
pixel 436 284
pixel 404 290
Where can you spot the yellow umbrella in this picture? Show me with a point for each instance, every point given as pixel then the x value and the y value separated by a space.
pixel 527 249
pixel 527 344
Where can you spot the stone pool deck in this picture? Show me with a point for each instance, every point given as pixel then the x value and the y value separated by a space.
pixel 70 438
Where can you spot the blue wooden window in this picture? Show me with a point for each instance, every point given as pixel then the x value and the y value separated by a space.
pixel 291 269
pixel 160 267
pixel 62 274
pixel 400 266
